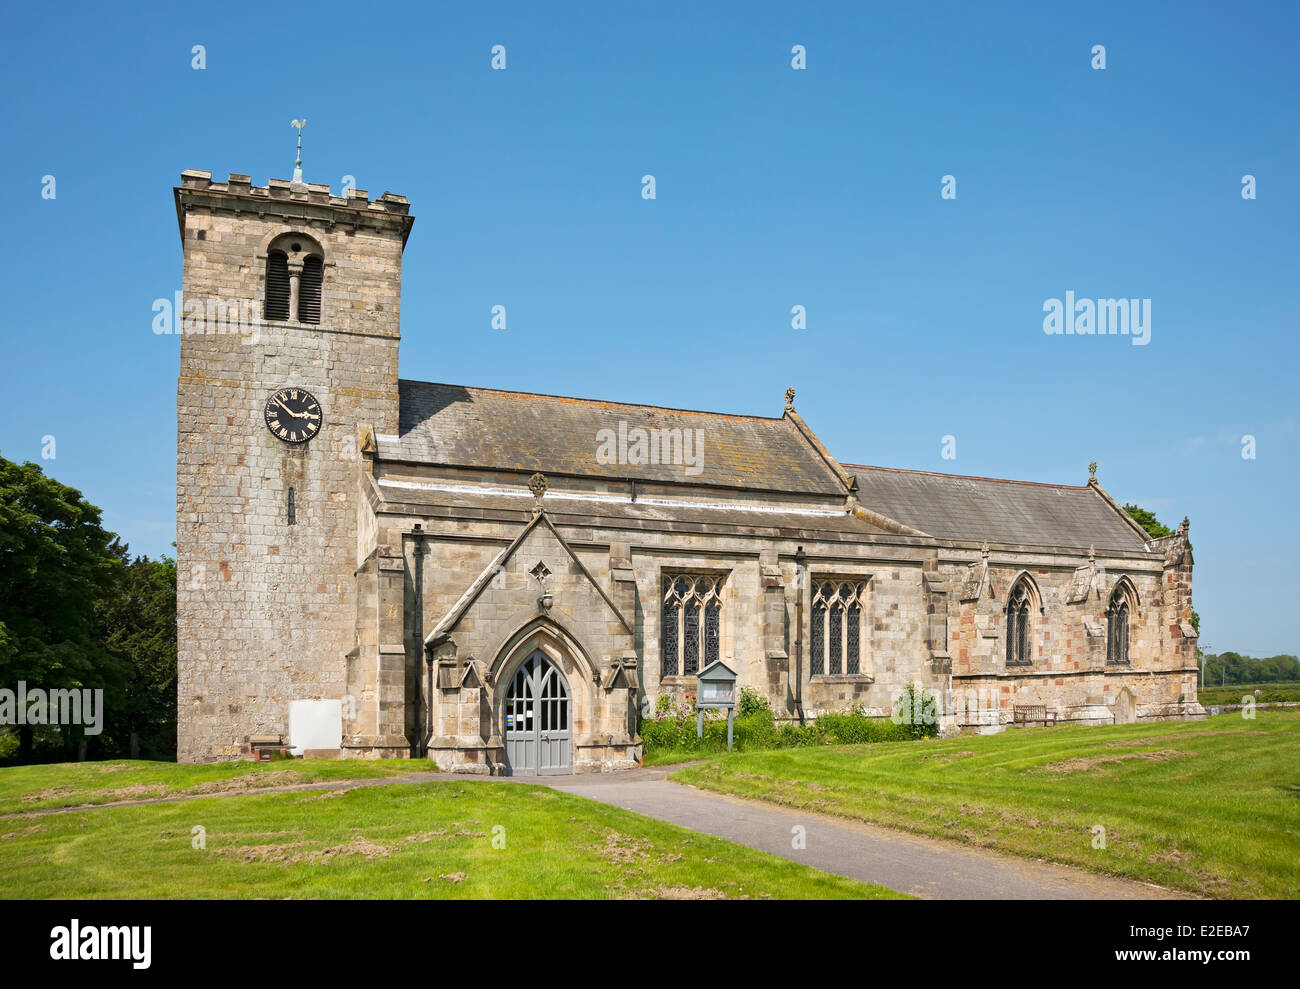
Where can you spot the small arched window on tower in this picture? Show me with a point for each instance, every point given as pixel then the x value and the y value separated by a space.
pixel 1118 614
pixel 295 276
pixel 277 286
pixel 1019 608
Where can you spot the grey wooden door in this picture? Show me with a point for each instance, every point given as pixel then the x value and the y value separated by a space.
pixel 539 725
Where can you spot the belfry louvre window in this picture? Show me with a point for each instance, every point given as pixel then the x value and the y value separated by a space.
pixel 309 290
pixel 1018 608
pixel 835 643
pixel 1117 621
pixel 277 286
pixel 690 622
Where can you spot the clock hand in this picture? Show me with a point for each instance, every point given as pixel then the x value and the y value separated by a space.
pixel 287 409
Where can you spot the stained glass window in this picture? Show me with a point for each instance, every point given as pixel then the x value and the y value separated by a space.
pixel 668 641
pixel 712 616
pixel 817 642
pixel 851 652
pixel 1117 622
pixel 835 642
pixel 691 622
pixel 691 643
pixel 1018 651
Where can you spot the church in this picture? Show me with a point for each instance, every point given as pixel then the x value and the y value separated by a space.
pixel 505 582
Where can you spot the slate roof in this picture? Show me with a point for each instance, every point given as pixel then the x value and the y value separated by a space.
pixel 977 509
pixel 461 426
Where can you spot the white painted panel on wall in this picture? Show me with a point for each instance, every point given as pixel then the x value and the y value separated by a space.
pixel 315 725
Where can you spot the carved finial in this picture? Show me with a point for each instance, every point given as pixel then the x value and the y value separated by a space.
pixel 1092 554
pixel 537 485
pixel 1184 525
pixel 789 399
pixel 984 552
pixel 1092 472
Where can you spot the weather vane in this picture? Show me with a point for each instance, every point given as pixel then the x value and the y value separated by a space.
pixel 297 165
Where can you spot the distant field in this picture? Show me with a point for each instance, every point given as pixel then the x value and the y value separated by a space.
pixel 1232 694
pixel 71 784
pixel 442 840
pixel 1211 807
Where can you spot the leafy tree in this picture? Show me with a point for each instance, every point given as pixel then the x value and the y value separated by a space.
pixel 138 620
pixel 57 563
pixel 1231 667
pixel 1154 527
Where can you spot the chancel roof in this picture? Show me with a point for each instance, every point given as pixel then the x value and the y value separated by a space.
pixel 979 509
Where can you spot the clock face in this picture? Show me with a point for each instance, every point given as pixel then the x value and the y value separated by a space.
pixel 293 415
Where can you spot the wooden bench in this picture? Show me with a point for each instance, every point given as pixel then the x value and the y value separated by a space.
pixel 1028 714
pixel 262 747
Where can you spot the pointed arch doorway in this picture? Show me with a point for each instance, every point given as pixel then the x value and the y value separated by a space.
pixel 539 720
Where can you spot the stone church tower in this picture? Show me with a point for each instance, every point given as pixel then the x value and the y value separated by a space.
pixel 291 303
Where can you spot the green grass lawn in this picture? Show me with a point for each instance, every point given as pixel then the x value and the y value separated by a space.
pixel 1212 807
pixel 72 784
pixel 1271 693
pixel 430 840
pixel 673 757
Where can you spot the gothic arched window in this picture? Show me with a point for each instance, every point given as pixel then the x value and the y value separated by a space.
pixel 835 642
pixel 690 623
pixel 1019 607
pixel 1118 614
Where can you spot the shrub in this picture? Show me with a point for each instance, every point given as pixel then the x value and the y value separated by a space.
pixel 752 702
pixel 755 728
pixel 665 735
pixel 917 711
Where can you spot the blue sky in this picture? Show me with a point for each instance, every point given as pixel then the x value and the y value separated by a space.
pixel 775 188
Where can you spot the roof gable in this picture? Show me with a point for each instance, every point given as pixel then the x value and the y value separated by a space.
pixel 447 624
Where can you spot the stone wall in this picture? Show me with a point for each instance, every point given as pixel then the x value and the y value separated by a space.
pixel 1069 672
pixel 628 565
pixel 905 640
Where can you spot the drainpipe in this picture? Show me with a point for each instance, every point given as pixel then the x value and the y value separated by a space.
pixel 428 708
pixel 418 535
pixel 800 562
